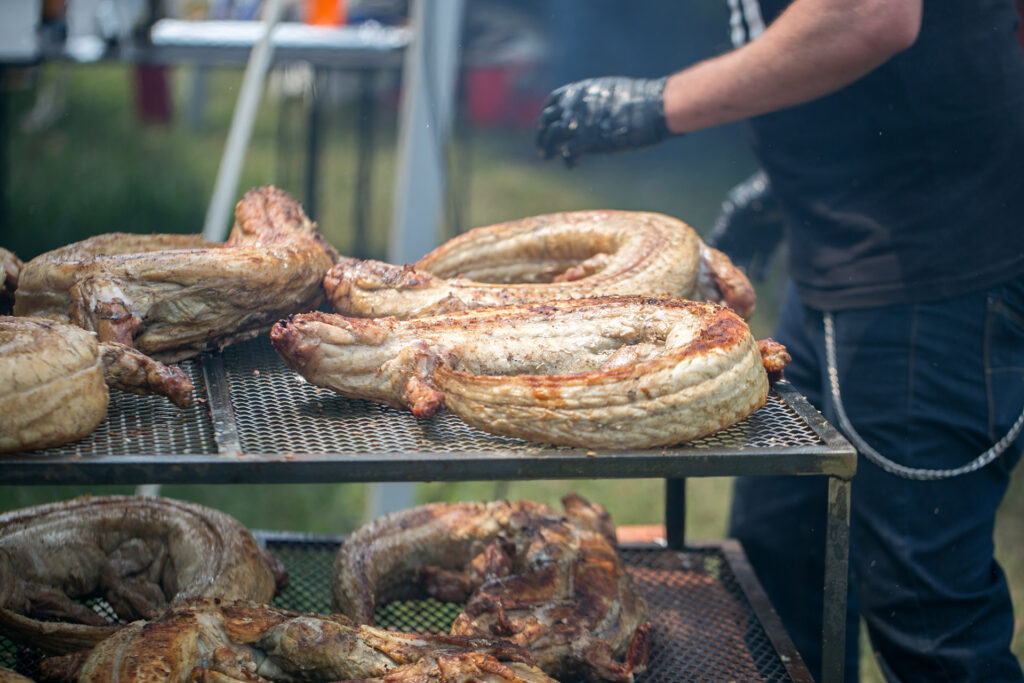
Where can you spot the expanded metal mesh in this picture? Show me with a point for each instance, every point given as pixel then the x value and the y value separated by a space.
pixel 703 625
pixel 148 424
pixel 277 411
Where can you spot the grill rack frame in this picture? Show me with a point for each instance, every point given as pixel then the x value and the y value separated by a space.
pixel 710 617
pixel 228 437
pixel 246 374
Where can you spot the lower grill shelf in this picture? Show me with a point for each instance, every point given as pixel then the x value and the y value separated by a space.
pixel 710 619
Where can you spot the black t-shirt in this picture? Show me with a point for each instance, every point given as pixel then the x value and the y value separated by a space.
pixel 907 185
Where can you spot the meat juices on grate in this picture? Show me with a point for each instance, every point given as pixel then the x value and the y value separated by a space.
pixel 555 256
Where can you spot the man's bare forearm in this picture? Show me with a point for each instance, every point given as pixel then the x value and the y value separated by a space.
pixel 813 48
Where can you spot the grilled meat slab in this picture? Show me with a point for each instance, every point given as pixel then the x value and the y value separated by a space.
pixel 10 268
pixel 220 641
pixel 138 553
pixel 545 580
pixel 51 384
pixel 608 372
pixel 172 296
pixel 555 256
pixel 54 378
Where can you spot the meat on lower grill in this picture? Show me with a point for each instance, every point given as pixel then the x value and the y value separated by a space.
pixel 546 580
pixel 242 642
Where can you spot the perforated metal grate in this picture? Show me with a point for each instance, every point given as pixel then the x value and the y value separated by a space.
pixel 148 424
pixel 703 625
pixel 310 419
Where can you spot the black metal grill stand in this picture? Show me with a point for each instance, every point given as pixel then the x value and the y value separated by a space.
pixel 255 421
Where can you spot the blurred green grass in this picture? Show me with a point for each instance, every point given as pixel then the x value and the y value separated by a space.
pixel 98 169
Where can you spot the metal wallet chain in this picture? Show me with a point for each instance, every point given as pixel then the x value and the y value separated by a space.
pixel 877 458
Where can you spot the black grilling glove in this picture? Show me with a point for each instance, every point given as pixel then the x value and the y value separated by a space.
pixel 749 226
pixel 599 115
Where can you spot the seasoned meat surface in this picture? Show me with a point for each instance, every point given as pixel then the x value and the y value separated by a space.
pixel 54 378
pixel 52 389
pixel 607 372
pixel 129 370
pixel 172 296
pixel 221 641
pixel 555 256
pixel 549 581
pixel 10 267
pixel 140 554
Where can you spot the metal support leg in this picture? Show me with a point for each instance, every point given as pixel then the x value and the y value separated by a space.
pixel 313 143
pixel 675 513
pixel 367 114
pixel 837 560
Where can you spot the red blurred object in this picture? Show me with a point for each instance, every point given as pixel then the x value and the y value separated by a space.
pixel 497 96
pixel 640 533
pixel 1020 26
pixel 152 94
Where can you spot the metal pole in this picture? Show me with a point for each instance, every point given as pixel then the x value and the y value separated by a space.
pixel 837 562
pixel 216 226
pixel 313 141
pixel 424 124
pixel 428 87
pixel 675 513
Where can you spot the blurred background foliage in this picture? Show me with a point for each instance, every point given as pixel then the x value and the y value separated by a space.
pixel 82 157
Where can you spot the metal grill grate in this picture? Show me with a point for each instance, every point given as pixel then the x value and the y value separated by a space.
pixel 148 424
pixel 310 419
pixel 704 627
pixel 257 421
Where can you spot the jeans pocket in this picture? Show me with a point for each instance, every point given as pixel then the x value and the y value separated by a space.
pixel 1004 364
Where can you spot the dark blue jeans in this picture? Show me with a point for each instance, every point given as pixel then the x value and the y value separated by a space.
pixel 927 385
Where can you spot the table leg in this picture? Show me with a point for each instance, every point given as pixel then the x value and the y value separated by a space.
pixel 675 513
pixel 837 559
pixel 313 143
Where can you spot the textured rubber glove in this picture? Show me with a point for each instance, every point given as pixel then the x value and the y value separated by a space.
pixel 600 115
pixel 749 226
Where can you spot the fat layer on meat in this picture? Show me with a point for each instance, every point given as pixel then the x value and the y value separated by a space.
pixel 608 372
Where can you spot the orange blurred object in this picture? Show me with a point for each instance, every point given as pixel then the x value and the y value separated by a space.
pixel 325 12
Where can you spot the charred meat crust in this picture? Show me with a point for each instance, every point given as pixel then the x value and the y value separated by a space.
pixel 548 581
pixel 225 641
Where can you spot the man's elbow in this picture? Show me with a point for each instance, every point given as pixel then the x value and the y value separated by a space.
pixel 894 26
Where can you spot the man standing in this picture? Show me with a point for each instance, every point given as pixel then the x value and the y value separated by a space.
pixel 892 134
